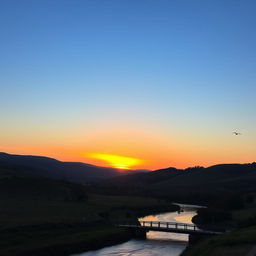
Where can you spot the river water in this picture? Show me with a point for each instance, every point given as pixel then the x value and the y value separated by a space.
pixel 156 244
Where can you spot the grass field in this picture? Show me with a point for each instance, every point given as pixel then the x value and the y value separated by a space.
pixel 39 216
pixel 33 224
pixel 236 243
pixel 26 212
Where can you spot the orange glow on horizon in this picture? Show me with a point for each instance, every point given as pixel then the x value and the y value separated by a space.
pixel 116 161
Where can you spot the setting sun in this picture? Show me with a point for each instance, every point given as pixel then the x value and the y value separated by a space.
pixel 115 161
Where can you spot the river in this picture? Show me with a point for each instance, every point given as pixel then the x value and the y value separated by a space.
pixel 156 244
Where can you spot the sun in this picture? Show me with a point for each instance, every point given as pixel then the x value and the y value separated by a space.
pixel 116 161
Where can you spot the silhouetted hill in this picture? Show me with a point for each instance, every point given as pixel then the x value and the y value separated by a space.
pixel 52 168
pixel 24 186
pixel 217 180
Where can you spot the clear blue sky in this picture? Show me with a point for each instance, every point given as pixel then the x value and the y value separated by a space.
pixel 184 70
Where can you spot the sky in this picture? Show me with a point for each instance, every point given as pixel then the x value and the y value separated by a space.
pixel 163 82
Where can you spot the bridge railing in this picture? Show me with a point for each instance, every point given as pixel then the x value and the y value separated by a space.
pixel 160 224
pixel 168 225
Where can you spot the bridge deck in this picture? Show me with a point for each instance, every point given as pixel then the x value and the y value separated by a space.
pixel 173 227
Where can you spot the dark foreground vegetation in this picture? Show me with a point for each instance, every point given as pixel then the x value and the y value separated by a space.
pixel 40 216
pixel 228 191
pixel 239 217
pixel 43 216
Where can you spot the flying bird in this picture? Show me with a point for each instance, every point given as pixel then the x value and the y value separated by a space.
pixel 237 133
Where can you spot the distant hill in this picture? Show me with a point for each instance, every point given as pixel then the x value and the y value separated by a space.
pixel 51 168
pixel 191 183
pixel 24 186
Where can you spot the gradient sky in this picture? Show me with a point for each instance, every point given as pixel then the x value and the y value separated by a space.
pixel 163 81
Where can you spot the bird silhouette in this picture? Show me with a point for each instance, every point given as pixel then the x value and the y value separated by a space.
pixel 237 133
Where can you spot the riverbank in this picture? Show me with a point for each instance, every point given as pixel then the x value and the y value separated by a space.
pixel 46 228
pixel 85 241
pixel 157 243
pixel 240 242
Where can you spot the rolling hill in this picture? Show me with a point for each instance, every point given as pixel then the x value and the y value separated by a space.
pixel 44 216
pixel 198 182
pixel 51 168
pixel 21 185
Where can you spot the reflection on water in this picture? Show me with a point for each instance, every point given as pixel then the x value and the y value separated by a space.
pixel 187 218
pixel 157 243
pixel 140 248
pixel 184 217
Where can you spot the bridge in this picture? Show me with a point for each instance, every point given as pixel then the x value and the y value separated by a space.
pixel 173 227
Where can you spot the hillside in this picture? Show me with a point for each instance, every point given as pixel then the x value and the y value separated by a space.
pixel 42 216
pixel 191 183
pixel 54 216
pixel 19 185
pixel 51 168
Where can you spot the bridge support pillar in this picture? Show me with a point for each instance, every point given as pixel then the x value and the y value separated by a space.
pixel 195 238
pixel 138 233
